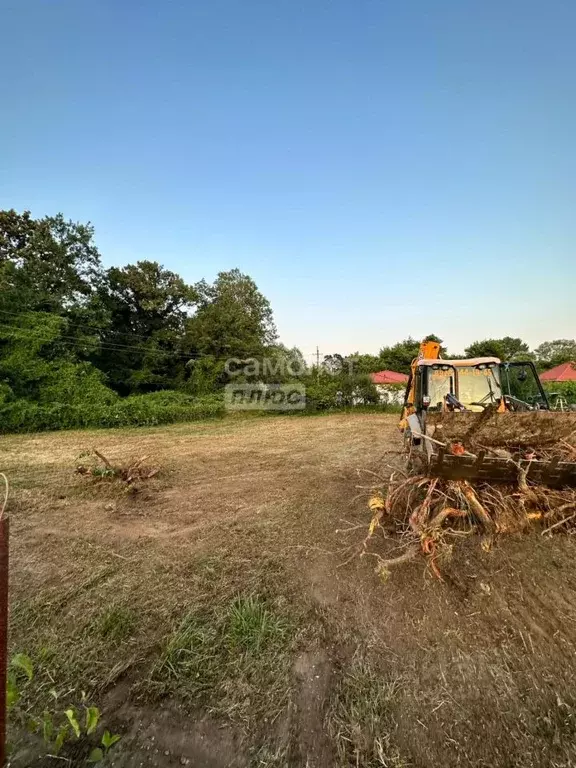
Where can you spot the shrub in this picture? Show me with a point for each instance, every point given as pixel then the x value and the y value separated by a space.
pixel 342 391
pixel 135 411
pixel 566 389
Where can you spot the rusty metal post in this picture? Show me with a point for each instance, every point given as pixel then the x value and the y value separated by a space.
pixel 4 536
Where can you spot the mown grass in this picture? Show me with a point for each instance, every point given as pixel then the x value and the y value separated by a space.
pixel 361 717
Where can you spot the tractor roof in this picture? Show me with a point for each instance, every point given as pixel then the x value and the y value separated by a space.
pixel 460 363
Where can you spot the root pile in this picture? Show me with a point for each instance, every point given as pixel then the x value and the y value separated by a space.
pixel 428 515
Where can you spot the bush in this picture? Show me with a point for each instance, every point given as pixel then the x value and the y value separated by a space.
pixel 135 411
pixel 566 389
pixel 328 392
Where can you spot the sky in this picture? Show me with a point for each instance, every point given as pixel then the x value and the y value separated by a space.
pixel 380 168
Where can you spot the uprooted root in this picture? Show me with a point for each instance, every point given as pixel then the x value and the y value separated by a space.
pixel 430 514
pixel 100 468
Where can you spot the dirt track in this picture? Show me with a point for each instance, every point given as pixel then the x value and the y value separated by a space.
pixel 476 671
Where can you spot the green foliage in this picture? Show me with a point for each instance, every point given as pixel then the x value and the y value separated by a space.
pixel 147 306
pixel 117 624
pixel 225 656
pixel 92 718
pixel 206 375
pixel 565 389
pixel 22 662
pixel 59 724
pixel 45 264
pixel 252 624
pixel 553 353
pixel 508 349
pixel 108 739
pixel 326 391
pixel 136 411
pixel 365 363
pixel 233 319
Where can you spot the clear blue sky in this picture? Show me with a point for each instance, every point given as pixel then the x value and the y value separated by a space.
pixel 380 167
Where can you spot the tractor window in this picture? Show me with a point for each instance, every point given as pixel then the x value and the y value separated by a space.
pixel 520 381
pixel 440 384
pixel 478 386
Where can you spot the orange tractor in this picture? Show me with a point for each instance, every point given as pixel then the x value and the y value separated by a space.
pixel 483 419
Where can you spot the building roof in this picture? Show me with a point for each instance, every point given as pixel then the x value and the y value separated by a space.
pixel 388 377
pixel 562 372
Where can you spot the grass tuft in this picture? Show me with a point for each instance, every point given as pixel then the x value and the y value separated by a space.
pixel 253 626
pixel 228 658
pixel 117 624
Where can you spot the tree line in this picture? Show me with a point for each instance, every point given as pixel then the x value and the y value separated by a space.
pixel 399 356
pixel 83 345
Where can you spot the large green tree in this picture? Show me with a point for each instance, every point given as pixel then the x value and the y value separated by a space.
pixel 47 264
pixel 143 346
pixel 507 349
pixel 552 353
pixel 233 319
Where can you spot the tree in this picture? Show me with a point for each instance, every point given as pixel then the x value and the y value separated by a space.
pixel 36 364
pixel 143 348
pixel 552 353
pixel 46 264
pixel 233 318
pixel 364 363
pixel 333 363
pixel 507 349
pixel 399 356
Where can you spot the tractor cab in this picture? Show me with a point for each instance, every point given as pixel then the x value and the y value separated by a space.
pixel 475 384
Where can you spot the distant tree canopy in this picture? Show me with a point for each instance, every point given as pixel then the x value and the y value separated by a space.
pixel 552 353
pixel 507 349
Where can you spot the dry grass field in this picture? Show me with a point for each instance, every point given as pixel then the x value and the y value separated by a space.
pixel 220 615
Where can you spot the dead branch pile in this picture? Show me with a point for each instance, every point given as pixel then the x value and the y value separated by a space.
pixel 100 468
pixel 427 515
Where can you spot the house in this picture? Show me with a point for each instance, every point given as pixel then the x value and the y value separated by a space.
pixel 562 372
pixel 390 386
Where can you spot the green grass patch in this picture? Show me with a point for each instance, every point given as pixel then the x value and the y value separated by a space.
pixel 233 660
pixel 117 624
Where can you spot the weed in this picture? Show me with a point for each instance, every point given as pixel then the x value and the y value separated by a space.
pixel 59 724
pixel 190 655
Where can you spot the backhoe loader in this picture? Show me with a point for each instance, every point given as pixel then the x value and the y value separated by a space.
pixel 487 420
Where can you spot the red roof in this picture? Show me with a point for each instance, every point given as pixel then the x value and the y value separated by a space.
pixel 388 377
pixel 562 372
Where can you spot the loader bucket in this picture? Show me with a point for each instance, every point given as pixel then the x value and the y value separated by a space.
pixel 537 446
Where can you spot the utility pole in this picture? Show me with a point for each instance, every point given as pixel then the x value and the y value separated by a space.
pixel 317 363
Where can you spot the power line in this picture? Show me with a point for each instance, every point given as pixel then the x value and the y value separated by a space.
pixel 129 334
pixel 74 325
pixel 73 342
